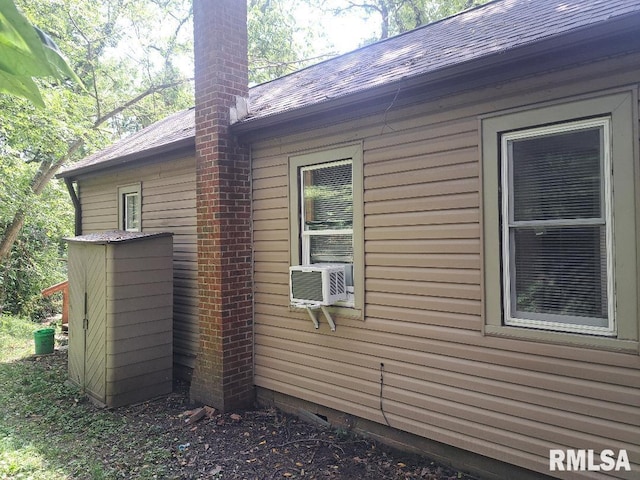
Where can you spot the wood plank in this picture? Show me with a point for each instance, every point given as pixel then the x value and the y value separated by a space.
pixel 279 183
pixel 184 207
pixel 272 203
pixel 446 371
pixel 435 260
pixel 260 172
pixel 466 245
pixel 449 187
pixel 424 303
pixel 276 262
pixel 432 289
pixel 412 342
pixel 270 214
pixel 423 204
pixel 265 193
pixel 463 231
pixel 434 217
pixel 276 224
pixel 446 275
pixel 271 246
pixel 422 161
pixel 426 176
pixel 460 126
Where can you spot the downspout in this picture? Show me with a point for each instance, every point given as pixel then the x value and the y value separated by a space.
pixel 76 206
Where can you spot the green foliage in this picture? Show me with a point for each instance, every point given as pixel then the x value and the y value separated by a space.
pixel 25 53
pixel 48 431
pixel 130 54
pixel 397 16
pixel 278 45
pixel 35 259
pixel 120 49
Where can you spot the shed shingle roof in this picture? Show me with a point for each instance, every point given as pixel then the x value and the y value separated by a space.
pixel 496 28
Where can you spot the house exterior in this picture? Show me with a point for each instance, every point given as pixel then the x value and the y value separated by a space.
pixel 478 177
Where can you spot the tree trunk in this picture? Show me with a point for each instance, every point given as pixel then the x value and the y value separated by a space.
pixel 384 11
pixel 11 234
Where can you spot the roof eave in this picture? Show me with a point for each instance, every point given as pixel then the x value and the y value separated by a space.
pixel 184 144
pixel 476 67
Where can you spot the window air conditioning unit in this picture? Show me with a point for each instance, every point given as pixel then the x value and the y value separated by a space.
pixel 317 285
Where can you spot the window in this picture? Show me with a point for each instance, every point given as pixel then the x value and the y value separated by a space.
pixel 559 222
pixel 556 227
pixel 326 214
pixel 129 208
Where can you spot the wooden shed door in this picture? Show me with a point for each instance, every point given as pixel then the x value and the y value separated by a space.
pixel 87 318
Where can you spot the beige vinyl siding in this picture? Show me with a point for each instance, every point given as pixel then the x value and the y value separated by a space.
pixel 168 205
pixel 503 398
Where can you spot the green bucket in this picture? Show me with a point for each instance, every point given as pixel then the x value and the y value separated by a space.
pixel 44 340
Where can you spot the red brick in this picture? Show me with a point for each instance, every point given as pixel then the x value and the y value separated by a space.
pixel 223 376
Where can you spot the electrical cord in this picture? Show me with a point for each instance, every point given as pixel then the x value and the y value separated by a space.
pixel 381 386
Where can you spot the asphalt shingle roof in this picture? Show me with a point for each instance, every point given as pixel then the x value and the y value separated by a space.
pixel 498 27
pixel 494 28
pixel 175 128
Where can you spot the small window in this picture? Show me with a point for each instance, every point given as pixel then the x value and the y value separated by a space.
pixel 327 213
pixel 129 208
pixel 557 227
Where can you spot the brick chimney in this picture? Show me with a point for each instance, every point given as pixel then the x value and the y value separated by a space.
pixel 223 375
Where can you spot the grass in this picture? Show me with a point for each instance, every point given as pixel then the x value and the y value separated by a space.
pixel 48 430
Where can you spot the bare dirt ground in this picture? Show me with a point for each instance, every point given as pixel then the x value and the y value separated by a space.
pixel 267 444
pixel 257 444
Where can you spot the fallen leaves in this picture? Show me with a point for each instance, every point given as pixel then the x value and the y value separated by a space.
pixel 165 435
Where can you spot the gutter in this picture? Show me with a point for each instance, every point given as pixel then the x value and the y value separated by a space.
pixel 186 144
pixel 76 206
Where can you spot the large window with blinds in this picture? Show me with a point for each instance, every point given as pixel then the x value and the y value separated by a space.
pixel 559 219
pixel 557 227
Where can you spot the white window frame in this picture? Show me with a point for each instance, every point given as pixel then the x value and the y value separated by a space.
pixel 124 194
pixel 508 225
pixel 308 234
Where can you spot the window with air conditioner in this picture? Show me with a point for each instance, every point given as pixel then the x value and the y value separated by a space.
pixel 326 216
pixel 559 222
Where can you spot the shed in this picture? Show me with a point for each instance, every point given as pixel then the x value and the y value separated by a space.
pixel 120 315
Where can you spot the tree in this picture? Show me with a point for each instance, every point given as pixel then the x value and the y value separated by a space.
pixel 277 43
pixel 397 16
pixel 131 55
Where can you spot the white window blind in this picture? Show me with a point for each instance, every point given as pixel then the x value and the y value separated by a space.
pixel 327 213
pixel 556 227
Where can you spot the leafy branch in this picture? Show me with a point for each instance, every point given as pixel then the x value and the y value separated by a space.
pixel 26 52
